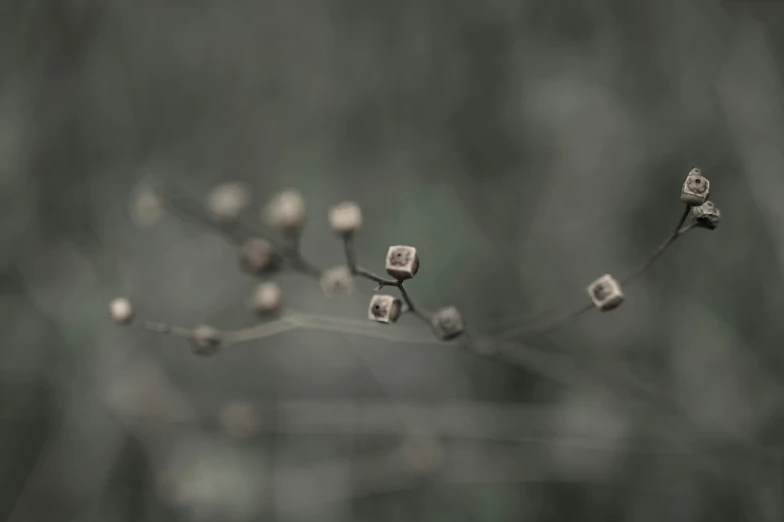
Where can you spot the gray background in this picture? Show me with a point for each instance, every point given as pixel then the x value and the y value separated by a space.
pixel 524 147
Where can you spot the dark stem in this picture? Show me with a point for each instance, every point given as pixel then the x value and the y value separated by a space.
pixel 424 315
pixel 569 317
pixel 351 256
pixel 678 232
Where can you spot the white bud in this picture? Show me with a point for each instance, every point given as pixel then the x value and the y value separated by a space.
pixel 337 281
pixel 448 323
pixel 345 218
pixel 267 298
pixel 205 340
pixel 402 262
pixel 384 309
pixel 227 201
pixel 286 211
pixel 606 293
pixel 121 311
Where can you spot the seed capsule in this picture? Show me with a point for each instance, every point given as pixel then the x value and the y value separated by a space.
pixel 606 293
pixel 384 309
pixel 402 262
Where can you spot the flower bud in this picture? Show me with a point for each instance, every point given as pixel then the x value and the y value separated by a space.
pixel 337 281
pixel 345 218
pixel 259 257
pixel 286 211
pixel 227 201
pixel 267 299
pixel 205 340
pixel 448 323
pixel 121 311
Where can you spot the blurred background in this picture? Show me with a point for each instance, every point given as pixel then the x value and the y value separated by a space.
pixel 524 147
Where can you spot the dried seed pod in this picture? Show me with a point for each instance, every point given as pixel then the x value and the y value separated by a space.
pixel 267 298
pixel 205 340
pixel 606 293
pixel 259 257
pixel 337 281
pixel 402 262
pixel 384 308
pixel 448 323
pixel 227 201
pixel 286 211
pixel 345 218
pixel 696 188
pixel 706 215
pixel 121 311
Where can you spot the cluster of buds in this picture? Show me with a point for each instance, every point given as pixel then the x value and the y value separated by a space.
pixel 402 263
pixel 696 193
pixel 606 292
pixel 286 212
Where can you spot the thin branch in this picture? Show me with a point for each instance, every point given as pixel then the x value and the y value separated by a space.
pixel 291 320
pixel 679 231
pixel 166 329
pixel 567 318
pixel 422 314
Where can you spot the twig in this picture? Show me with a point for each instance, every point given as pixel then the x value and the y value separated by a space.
pixel 351 260
pixel 290 320
pixel 569 317
pixel 291 253
pixel 678 232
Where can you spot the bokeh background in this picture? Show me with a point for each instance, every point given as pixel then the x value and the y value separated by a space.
pixel 524 147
